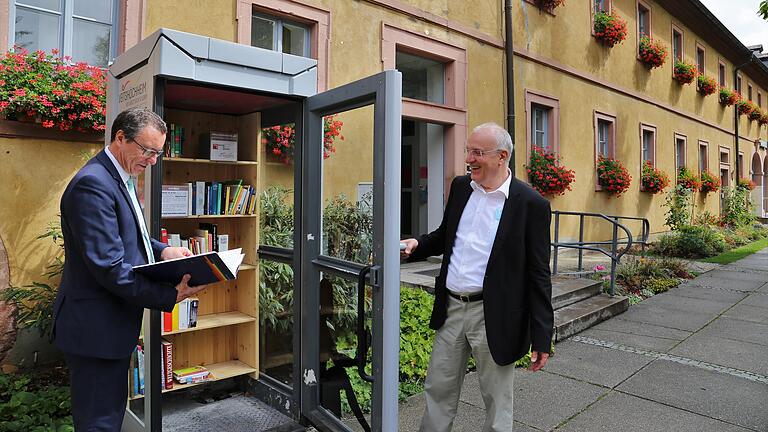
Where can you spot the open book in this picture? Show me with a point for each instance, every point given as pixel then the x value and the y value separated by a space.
pixel 204 268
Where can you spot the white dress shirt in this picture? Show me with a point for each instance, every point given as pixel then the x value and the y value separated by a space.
pixel 474 238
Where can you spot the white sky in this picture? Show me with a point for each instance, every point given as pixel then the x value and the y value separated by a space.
pixel 740 16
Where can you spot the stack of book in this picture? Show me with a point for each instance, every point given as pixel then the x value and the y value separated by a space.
pixel 208 198
pixel 205 239
pixel 184 315
pixel 190 375
pixel 174 143
pixel 136 372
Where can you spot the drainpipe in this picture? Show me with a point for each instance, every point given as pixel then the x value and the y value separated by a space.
pixel 510 55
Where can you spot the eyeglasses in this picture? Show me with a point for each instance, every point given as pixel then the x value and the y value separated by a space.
pixel 148 153
pixel 480 153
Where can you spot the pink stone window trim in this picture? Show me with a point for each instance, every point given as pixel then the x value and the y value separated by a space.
pixel 553 125
pixel 452 114
pixel 318 20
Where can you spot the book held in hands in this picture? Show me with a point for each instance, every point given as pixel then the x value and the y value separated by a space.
pixel 204 268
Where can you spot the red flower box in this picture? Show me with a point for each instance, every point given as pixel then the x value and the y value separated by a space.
pixel 709 183
pixel 706 85
pixel 610 29
pixel 686 178
pixel 654 180
pixel 546 175
pixel 653 53
pixel 728 97
pixel 613 176
pixel 684 72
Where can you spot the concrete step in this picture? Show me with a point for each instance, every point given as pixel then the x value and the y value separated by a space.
pixel 567 291
pixel 582 315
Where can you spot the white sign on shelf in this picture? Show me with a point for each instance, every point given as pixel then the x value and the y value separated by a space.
pixel 223 146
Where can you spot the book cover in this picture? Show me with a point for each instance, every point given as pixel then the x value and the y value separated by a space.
pixel 167 351
pixel 213 233
pixel 194 302
pixel 175 317
pixel 184 314
pixel 205 268
pixel 167 322
pixel 223 242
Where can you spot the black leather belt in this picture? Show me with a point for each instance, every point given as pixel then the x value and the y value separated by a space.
pixel 466 298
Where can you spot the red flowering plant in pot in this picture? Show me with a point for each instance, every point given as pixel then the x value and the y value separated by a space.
pixel 706 85
pixel 755 114
pixel 728 97
pixel 709 183
pixel 745 107
pixel 687 179
pixel 281 140
pixel 613 176
pixel 763 118
pixel 684 72
pixel 547 175
pixel 47 89
pixel 746 184
pixel 609 28
pixel 652 53
pixel 653 180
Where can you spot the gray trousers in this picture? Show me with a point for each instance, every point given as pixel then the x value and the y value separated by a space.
pixel 464 331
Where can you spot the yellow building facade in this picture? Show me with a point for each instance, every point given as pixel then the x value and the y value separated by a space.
pixel 452 53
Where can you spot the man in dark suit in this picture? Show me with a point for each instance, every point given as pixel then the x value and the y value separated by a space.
pixel 493 293
pixel 99 307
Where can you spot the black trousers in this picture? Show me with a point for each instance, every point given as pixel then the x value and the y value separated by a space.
pixel 99 389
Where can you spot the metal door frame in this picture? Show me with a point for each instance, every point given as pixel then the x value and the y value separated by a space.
pixel 383 91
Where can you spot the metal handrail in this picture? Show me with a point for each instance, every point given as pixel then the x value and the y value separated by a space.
pixel 581 245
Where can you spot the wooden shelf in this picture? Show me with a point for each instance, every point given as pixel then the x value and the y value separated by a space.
pixel 208 217
pixel 209 321
pixel 219 371
pixel 246 267
pixel 208 161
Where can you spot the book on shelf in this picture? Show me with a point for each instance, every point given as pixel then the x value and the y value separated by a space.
pixel 175 201
pixel 166 348
pixel 205 268
pixel 219 146
pixel 192 374
pixel 184 317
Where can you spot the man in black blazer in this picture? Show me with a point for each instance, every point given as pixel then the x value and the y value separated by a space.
pixel 99 307
pixel 493 293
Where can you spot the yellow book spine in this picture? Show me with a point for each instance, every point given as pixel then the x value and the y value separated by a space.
pixel 175 317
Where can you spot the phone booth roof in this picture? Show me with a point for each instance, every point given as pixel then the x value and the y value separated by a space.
pixel 205 60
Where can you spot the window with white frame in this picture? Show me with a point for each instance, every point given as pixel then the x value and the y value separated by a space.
pixel 604 137
pixel 602 6
pixel 423 78
pixel 82 29
pixel 677 44
pixel 540 126
pixel 680 145
pixel 648 144
pixel 279 35
pixel 703 156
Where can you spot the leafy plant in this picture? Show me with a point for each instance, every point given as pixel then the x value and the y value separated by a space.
pixel 653 53
pixel 755 114
pixel 613 176
pixel 737 207
pixel 745 107
pixel 706 85
pixel 653 180
pixel 549 4
pixel 29 405
pixel 728 97
pixel 692 241
pixel 746 184
pixel 660 285
pixel 34 302
pixel 280 140
pixel 684 72
pixel 679 206
pixel 763 120
pixel 709 183
pixel 46 88
pixel 610 29
pixel 706 218
pixel 687 179
pixel 546 175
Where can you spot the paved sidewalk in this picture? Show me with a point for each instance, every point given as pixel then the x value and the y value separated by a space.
pixel 692 359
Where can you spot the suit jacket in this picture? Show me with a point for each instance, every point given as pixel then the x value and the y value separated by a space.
pixel 517 290
pixel 99 307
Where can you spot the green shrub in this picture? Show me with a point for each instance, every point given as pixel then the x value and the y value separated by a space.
pixel 692 241
pixel 679 203
pixel 660 285
pixel 737 207
pixel 28 405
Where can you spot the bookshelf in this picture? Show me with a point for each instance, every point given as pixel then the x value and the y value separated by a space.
pixel 225 340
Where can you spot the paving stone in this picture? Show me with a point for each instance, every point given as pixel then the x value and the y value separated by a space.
pixel 732 284
pixel 708 393
pixel 633 340
pixel 747 313
pixel 690 320
pixel 544 400
pixel 735 274
pixel 721 351
pixel 688 304
pixel 595 364
pixel 756 300
pixel 621 412
pixel 707 293
pixel 736 329
pixel 623 326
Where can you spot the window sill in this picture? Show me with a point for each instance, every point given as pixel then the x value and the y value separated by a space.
pixel 16 129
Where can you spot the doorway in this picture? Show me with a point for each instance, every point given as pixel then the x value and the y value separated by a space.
pixel 422 173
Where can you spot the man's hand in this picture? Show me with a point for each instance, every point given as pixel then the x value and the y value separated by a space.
pixel 410 246
pixel 172 252
pixel 538 360
pixel 183 290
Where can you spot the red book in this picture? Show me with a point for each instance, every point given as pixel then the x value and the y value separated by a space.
pixel 167 322
pixel 164 235
pixel 167 349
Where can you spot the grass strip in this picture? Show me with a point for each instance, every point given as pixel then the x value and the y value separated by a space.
pixel 738 253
